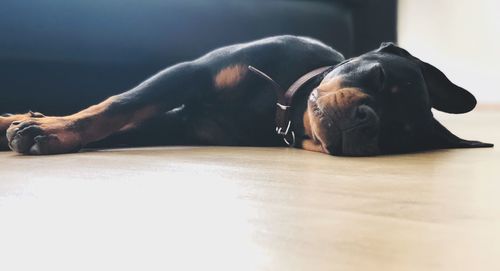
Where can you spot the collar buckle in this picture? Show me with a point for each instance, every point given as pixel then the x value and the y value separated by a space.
pixel 287 134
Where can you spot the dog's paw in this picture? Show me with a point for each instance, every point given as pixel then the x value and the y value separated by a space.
pixel 7 119
pixel 43 135
pixel 4 124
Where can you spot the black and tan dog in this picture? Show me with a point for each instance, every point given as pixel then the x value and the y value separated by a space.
pixel 379 102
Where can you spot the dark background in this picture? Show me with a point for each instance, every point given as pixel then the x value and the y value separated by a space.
pixel 59 56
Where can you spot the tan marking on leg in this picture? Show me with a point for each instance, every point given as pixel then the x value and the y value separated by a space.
pixel 7 120
pixel 140 116
pixel 94 109
pixel 100 125
pixel 230 76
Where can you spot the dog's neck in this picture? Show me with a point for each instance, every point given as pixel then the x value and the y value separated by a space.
pixel 291 118
pixel 300 116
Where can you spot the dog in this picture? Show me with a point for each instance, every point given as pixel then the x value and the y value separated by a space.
pixel 377 103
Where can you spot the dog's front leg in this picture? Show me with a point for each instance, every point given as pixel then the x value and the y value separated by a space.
pixel 164 91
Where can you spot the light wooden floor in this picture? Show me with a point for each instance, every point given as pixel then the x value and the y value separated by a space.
pixel 206 208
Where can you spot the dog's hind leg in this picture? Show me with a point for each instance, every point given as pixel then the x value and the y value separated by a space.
pixel 164 91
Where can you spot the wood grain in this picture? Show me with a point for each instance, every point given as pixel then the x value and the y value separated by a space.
pixel 224 208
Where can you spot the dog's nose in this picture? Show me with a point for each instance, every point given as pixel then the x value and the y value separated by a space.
pixel 364 114
pixel 361 113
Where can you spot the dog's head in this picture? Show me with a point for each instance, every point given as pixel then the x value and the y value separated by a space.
pixel 380 102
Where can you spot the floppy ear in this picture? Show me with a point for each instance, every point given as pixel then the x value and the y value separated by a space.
pixel 441 138
pixel 444 95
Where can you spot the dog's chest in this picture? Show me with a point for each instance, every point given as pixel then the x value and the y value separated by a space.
pixel 236 116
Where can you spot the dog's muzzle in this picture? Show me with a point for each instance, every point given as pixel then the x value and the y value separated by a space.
pixel 345 123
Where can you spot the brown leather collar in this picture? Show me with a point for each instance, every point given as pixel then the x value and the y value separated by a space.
pixel 285 98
